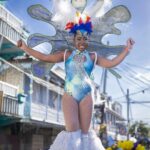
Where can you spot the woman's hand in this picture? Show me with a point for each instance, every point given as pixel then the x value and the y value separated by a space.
pixel 106 63
pixel 22 45
pixel 130 43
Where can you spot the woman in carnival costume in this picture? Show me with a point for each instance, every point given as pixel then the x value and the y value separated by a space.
pixel 77 101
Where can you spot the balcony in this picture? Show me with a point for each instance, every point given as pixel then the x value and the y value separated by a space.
pixel 8 105
pixel 11 30
pixel 10 19
pixel 46 114
pixel 8 110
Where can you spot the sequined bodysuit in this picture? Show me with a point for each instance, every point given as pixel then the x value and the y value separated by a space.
pixel 78 66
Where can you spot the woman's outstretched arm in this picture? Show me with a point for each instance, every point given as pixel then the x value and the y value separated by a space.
pixel 52 58
pixel 106 63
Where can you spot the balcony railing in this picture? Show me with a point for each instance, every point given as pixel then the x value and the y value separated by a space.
pixel 8 105
pixel 8 32
pixel 42 113
pixel 10 19
pixel 10 26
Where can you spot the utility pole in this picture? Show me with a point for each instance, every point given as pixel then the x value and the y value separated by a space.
pixel 104 92
pixel 128 119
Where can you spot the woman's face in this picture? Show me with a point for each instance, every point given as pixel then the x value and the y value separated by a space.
pixel 81 41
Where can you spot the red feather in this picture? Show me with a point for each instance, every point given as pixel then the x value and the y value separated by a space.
pixel 88 19
pixel 69 25
pixel 80 21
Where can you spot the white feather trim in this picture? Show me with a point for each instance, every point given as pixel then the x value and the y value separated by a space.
pixel 94 142
pixel 63 12
pixel 67 141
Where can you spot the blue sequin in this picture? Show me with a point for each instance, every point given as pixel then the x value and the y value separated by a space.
pixel 78 66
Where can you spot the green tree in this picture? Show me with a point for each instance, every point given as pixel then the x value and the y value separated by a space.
pixel 139 128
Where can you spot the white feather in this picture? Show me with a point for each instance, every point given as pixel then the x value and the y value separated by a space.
pixel 67 141
pixel 63 12
pixel 94 8
pixel 94 141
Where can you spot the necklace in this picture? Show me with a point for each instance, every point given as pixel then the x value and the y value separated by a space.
pixel 79 57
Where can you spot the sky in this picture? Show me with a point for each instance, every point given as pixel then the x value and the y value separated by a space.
pixel 135 69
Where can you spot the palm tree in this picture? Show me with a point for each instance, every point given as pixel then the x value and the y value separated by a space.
pixel 139 129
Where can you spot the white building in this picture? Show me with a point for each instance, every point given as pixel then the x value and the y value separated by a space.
pixel 112 118
pixel 30 109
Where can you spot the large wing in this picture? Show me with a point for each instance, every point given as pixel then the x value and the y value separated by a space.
pixel 40 69
pixel 94 8
pixel 106 25
pixel 102 26
pixel 105 50
pixel 59 41
pixel 79 4
pixel 63 12
pixel 39 12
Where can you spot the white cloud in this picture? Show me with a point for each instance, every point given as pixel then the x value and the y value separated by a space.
pixel 106 6
pixel 143 76
pixel 148 67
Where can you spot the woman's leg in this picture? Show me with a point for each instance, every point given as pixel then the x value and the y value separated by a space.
pixel 70 139
pixel 85 113
pixel 90 141
pixel 71 113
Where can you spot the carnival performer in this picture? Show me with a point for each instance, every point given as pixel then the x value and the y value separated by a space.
pixel 77 103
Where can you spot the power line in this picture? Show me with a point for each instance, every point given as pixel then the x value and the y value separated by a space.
pixel 132 81
pixel 138 102
pixel 134 93
pixel 137 66
pixel 130 75
pixel 133 73
pixel 129 79
pixel 145 105
pixel 120 86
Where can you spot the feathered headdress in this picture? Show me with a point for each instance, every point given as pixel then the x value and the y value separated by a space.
pixel 63 11
pixel 82 22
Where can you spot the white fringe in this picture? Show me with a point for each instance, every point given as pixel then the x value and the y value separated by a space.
pixel 72 141
pixel 85 141
pixel 67 141
pixel 94 142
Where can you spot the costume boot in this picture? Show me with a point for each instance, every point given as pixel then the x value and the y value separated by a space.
pixel 94 141
pixel 67 141
pixel 85 141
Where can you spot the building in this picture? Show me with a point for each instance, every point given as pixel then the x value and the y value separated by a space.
pixel 113 121
pixel 30 107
